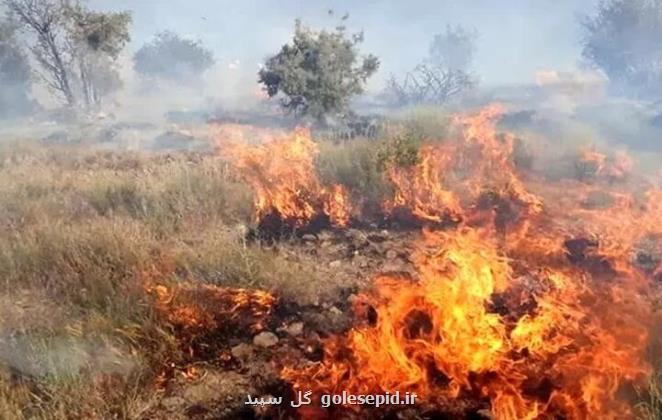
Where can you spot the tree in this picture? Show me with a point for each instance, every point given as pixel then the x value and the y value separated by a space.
pixel 442 75
pixel 623 40
pixel 98 39
pixel 15 80
pixel 428 84
pixel 318 72
pixel 75 48
pixel 453 49
pixel 170 56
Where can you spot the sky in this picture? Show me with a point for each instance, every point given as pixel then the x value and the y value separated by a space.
pixel 516 37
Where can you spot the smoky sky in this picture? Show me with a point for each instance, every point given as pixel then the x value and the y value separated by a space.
pixel 516 37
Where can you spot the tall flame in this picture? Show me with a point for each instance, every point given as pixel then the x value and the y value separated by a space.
pixel 451 177
pixel 550 319
pixel 283 177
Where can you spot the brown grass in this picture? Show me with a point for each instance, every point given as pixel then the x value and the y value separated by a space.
pixel 78 336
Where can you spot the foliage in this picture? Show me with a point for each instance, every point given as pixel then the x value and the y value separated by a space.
pixel 623 40
pixel 318 72
pixel 15 79
pixel 170 56
pixel 453 49
pixel 443 75
pixel 98 38
pixel 76 49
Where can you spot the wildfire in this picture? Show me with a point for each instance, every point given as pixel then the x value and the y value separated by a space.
pixel 450 179
pixel 282 175
pixel 556 347
pixel 614 168
pixel 204 308
pixel 547 320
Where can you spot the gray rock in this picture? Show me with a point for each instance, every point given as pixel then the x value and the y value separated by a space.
pixel 173 403
pixel 309 238
pixel 295 329
pixel 265 339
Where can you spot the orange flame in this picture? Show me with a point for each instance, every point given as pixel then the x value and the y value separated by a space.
pixel 442 338
pixel 552 321
pixel 282 175
pixel 477 162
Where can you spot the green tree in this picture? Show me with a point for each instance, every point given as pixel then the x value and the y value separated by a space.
pixel 318 72
pixel 170 56
pixel 623 40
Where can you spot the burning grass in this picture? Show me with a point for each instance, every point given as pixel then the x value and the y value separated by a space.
pixel 529 297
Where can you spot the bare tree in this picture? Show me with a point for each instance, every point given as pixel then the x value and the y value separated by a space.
pixel 428 84
pixel 46 19
pixel 74 47
pixel 441 76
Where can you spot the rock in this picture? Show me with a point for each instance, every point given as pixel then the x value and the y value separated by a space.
pixel 335 311
pixel 242 352
pixel 265 339
pixel 391 254
pixel 309 238
pixel 335 264
pixel 173 403
pixel 325 236
pixel 295 329
pixel 217 386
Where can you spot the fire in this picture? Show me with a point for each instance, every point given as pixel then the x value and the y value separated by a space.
pixel 536 310
pixel 282 175
pixel 560 349
pixel 617 167
pixel 450 179
pixel 203 308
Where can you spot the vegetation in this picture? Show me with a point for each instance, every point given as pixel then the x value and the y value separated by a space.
pixel 442 76
pixel 78 228
pixel 318 73
pixel 76 48
pixel 622 40
pixel 169 56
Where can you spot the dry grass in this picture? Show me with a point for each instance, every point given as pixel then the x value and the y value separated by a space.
pixel 78 336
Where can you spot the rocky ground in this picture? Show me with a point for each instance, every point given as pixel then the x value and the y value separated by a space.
pixel 242 362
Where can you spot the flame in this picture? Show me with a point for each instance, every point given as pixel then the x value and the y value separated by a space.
pixel 617 167
pixel 202 308
pixel 530 302
pixel 282 175
pixel 443 339
pixel 450 178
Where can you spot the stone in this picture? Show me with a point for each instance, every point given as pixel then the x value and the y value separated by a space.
pixel 265 339
pixel 295 329
pixel 391 254
pixel 242 351
pixel 173 403
pixel 309 238
pixel 335 264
